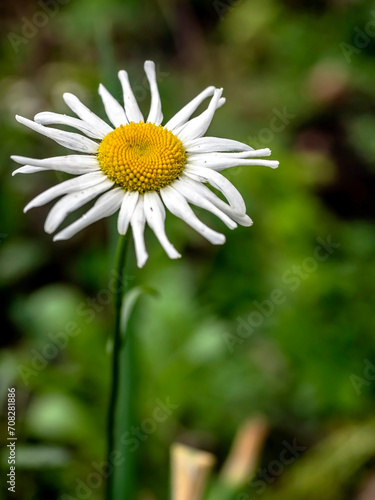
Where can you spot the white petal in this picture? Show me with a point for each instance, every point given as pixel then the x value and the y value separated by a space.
pixel 155 115
pixel 126 211
pixel 132 110
pixel 71 202
pixel 235 163
pixel 70 186
pixel 155 217
pixel 185 113
pixel 199 125
pixel 71 164
pixel 27 169
pixel 188 188
pixel 221 161
pixel 105 206
pixel 204 191
pixel 203 158
pixel 49 118
pixel 179 207
pixel 113 108
pixel 69 140
pixel 193 137
pixel 219 182
pixel 138 222
pixel 86 114
pixel 208 144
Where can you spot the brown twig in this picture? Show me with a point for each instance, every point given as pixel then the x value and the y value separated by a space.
pixel 244 454
pixel 190 471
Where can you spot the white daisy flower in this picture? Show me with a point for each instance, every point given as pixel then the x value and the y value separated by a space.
pixel 138 167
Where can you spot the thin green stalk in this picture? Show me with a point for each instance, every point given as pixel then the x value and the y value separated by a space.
pixel 114 424
pixel 125 473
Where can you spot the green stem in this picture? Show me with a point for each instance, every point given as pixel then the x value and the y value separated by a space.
pixel 115 424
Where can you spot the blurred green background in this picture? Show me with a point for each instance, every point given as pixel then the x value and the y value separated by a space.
pixel 299 78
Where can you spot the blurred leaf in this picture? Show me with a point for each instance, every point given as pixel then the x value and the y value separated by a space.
pixel 47 309
pixel 326 470
pixel 18 258
pixel 39 457
pixel 56 416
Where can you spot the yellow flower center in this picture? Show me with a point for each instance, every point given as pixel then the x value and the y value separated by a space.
pixel 141 157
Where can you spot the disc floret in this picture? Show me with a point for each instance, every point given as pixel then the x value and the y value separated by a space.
pixel 142 157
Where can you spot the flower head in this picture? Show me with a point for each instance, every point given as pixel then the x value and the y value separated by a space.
pixel 139 167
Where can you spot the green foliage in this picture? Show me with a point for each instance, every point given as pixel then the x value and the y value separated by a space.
pixel 307 366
